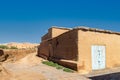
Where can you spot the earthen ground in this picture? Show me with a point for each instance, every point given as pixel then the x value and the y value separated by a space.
pixel 31 68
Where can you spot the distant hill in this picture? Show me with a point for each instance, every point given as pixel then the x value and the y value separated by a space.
pixel 21 45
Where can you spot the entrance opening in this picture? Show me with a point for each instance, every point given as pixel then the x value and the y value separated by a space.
pixel 98 57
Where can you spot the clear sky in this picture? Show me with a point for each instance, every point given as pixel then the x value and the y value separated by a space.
pixel 28 20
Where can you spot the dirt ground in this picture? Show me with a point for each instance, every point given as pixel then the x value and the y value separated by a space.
pixel 19 70
pixel 31 68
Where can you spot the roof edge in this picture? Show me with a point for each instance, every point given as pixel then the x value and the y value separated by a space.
pixel 61 27
pixel 83 28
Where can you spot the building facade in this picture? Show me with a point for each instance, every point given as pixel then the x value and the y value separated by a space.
pixel 82 49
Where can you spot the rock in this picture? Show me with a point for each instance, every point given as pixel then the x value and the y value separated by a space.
pixel 1 52
pixel 4 57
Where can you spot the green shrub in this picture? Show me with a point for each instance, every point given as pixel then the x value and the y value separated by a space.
pixel 59 67
pixel 50 63
pixel 68 70
pixel 13 47
pixel 4 47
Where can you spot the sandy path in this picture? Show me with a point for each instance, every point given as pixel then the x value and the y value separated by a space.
pixel 31 68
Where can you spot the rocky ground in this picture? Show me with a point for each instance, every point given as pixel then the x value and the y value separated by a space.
pixel 31 68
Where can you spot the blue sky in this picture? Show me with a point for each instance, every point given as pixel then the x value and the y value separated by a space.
pixel 28 20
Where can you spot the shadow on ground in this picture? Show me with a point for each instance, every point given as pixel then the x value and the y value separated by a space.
pixel 112 76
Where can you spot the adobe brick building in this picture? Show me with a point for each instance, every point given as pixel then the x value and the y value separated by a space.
pixel 82 49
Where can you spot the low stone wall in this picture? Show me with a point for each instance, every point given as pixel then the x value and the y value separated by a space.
pixel 66 63
pixel 16 54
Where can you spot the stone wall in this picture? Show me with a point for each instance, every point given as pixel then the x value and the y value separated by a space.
pixel 18 53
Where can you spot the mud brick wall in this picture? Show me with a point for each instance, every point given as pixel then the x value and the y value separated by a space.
pixel 65 46
pixel 43 50
pixel 48 35
pixel 54 32
pixel 109 40
pixel 58 31
pixel 18 53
